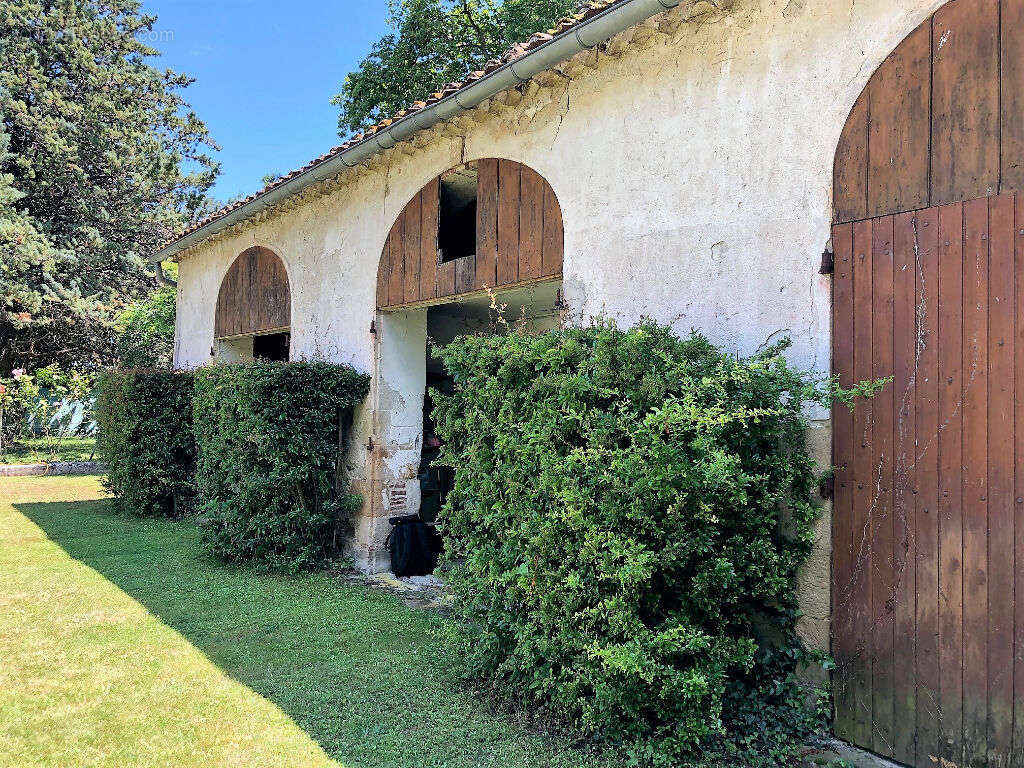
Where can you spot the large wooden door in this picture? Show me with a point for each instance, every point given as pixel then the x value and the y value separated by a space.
pixel 928 237
pixel 929 505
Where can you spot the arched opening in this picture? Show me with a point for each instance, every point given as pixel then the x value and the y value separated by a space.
pixel 488 224
pixel 928 634
pixel 940 119
pixel 488 231
pixel 253 317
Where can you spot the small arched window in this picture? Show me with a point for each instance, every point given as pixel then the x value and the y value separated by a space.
pixel 254 307
pixel 490 223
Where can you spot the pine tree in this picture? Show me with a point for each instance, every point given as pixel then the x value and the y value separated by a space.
pixel 107 160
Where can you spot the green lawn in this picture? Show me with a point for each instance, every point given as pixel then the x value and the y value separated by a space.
pixel 37 450
pixel 122 644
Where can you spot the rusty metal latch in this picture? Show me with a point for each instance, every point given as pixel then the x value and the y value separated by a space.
pixel 828 263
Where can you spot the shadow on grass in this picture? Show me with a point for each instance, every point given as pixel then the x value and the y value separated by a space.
pixel 362 674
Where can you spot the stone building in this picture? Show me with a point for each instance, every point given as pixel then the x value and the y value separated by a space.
pixel 690 161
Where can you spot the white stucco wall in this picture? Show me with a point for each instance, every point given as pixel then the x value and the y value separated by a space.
pixel 695 179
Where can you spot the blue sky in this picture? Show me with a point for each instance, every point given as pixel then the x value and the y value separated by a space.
pixel 265 73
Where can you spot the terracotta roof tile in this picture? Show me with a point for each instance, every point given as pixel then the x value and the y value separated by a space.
pixel 586 12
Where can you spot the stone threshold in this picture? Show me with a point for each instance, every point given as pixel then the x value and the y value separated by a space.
pixel 415 591
pixel 841 753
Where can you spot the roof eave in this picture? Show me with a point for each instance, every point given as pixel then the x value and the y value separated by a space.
pixel 587 34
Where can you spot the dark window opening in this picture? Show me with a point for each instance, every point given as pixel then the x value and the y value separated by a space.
pixel 271 346
pixel 456 232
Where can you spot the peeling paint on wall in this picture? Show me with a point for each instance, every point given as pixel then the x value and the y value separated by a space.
pixel 694 172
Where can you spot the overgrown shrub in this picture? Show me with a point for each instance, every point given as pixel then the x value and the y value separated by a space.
pixel 629 514
pixel 146 441
pixel 16 396
pixel 268 451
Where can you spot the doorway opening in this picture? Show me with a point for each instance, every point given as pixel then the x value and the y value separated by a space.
pixel 265 346
pixel 413 483
pixel 535 308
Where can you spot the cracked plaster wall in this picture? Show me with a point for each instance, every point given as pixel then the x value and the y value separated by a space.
pixel 694 172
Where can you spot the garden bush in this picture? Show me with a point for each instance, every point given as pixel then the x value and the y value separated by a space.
pixel 16 396
pixel 145 440
pixel 629 515
pixel 268 479
pixel 50 404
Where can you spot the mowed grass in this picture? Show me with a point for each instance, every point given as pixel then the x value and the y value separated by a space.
pixel 123 644
pixel 37 450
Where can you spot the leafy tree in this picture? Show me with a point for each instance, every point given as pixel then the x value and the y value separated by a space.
pixel 108 161
pixel 145 332
pixel 435 42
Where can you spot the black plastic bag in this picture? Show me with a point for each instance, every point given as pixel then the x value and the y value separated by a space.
pixel 414 546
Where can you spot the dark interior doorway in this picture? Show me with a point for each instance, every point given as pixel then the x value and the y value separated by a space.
pixel 436 481
pixel 271 346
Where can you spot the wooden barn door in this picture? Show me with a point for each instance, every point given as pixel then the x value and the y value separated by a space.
pixel 929 244
pixel 930 484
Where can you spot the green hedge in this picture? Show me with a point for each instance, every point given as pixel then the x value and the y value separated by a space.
pixel 268 451
pixel 629 514
pixel 145 439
